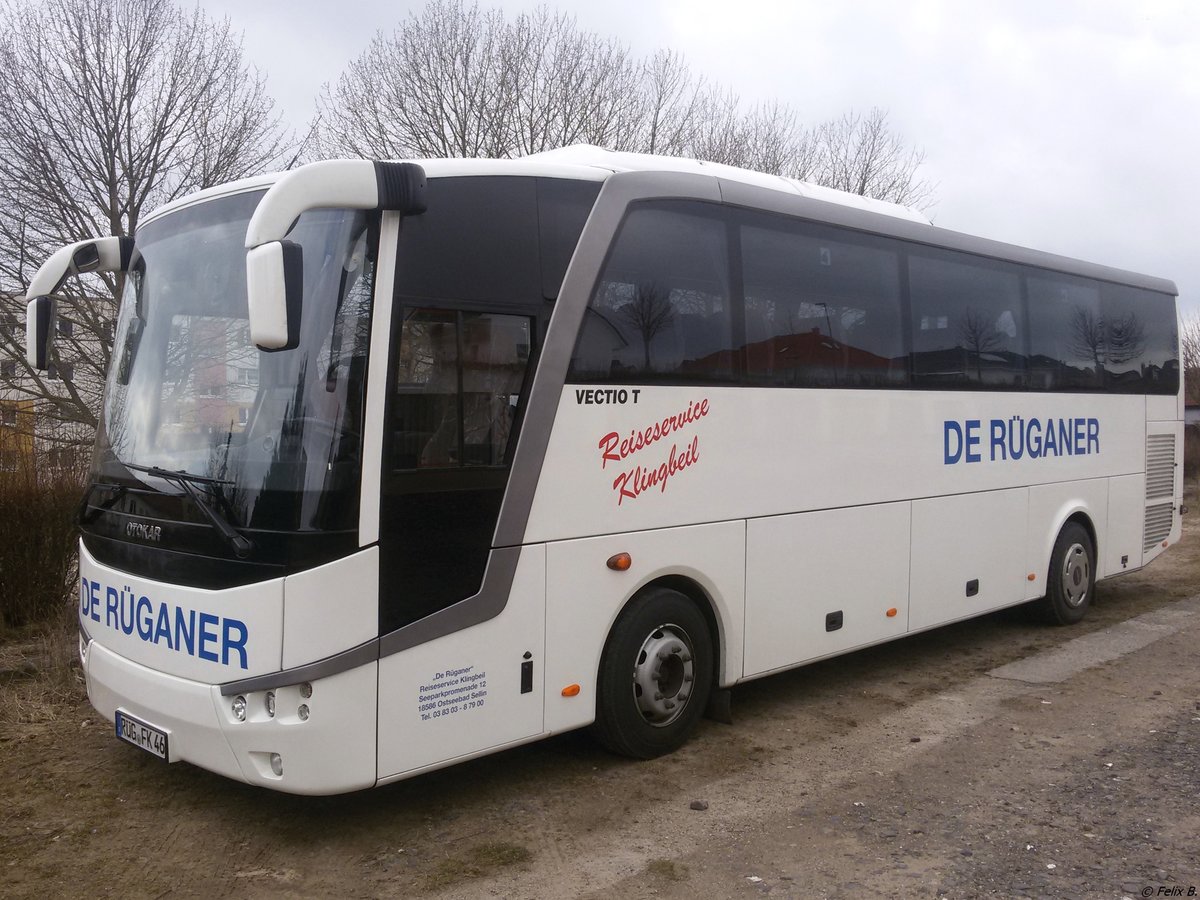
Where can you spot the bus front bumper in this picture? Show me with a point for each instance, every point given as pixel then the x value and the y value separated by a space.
pixel 321 738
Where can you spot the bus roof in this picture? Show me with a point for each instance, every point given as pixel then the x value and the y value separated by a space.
pixel 585 162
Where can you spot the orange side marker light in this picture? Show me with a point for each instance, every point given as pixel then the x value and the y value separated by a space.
pixel 891 613
pixel 571 690
pixel 620 562
pixel 1032 576
pixel 1165 543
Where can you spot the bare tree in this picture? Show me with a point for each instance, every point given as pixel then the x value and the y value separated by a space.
pixel 459 82
pixel 648 313
pixel 109 108
pixel 863 155
pixel 1189 347
pixel 671 102
pixel 564 86
pixel 979 335
pixel 434 88
pixel 1087 338
pixel 455 81
pixel 1126 337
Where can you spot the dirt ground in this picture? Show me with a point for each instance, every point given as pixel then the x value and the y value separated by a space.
pixel 904 770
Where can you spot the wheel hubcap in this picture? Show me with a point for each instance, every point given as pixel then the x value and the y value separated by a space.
pixel 663 675
pixel 1076 575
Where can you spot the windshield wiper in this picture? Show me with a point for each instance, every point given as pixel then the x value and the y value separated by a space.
pixel 242 546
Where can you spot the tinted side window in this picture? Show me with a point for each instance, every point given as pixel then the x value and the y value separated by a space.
pixel 563 209
pixel 661 310
pixel 968 329
pixel 822 308
pixel 477 241
pixel 1142 340
pixel 1068 336
pixel 458 377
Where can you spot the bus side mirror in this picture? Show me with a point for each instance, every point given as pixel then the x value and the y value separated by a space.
pixel 86 258
pixel 274 270
pixel 39 322
pixel 275 281
pixel 110 254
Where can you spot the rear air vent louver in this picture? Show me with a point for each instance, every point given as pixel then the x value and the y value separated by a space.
pixel 1159 519
pixel 1160 485
pixel 1160 466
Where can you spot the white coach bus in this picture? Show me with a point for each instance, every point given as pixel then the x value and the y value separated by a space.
pixel 405 463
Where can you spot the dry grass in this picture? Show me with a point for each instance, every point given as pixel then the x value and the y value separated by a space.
pixel 40 678
pixel 666 870
pixel 38 541
pixel 483 859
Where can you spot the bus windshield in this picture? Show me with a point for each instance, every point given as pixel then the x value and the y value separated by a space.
pixel 188 391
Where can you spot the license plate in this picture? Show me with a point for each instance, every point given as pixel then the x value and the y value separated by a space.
pixel 142 734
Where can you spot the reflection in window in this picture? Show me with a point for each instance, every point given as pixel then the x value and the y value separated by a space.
pixel 1141 338
pixel 661 310
pixel 968 327
pixel 820 312
pixel 1068 349
pixel 458 381
pixel 811 305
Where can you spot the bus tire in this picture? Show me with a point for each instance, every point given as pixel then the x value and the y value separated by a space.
pixel 655 676
pixel 1072 578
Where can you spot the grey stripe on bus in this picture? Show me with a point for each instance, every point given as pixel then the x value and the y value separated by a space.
pixel 487 604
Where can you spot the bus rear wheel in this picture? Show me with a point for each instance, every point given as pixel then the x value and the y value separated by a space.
pixel 1072 579
pixel 655 676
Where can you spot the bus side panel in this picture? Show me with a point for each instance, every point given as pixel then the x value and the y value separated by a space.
pixel 471 690
pixel 586 598
pixel 968 555
pixel 1122 551
pixel 1164 408
pixel 742 453
pixel 330 608
pixel 1050 505
pixel 824 582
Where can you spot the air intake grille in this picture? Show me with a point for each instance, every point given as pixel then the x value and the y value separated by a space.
pixel 1159 519
pixel 1160 466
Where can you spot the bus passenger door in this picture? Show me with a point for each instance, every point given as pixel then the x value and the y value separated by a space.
pixel 457 379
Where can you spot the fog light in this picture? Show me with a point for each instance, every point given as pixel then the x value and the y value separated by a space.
pixel 302 712
pixel 271 706
pixel 276 763
pixel 306 690
pixel 239 708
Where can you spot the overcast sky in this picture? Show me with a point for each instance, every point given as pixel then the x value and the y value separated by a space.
pixel 1071 126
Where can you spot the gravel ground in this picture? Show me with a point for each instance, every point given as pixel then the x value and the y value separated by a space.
pixel 903 771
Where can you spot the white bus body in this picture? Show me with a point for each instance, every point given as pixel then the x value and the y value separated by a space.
pixel 755 424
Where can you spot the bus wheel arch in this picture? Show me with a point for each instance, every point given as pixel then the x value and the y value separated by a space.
pixel 657 669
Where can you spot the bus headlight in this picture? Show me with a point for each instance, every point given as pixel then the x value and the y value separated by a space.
pixel 239 708
pixel 271 704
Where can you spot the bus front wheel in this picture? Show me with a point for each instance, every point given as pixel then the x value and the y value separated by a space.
pixel 1072 579
pixel 655 676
